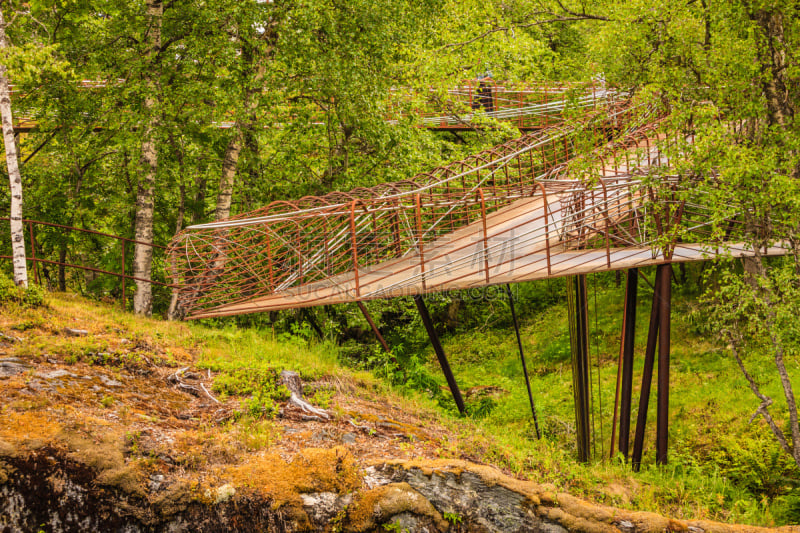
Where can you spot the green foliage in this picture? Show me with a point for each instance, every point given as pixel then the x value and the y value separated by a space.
pixel 754 462
pixel 261 385
pixel 453 518
pixel 30 297
pixel 404 371
pixel 481 409
pixel 787 507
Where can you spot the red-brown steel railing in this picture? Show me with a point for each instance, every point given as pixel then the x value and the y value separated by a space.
pixel 35 259
pixel 288 245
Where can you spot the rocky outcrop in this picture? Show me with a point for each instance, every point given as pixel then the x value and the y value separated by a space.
pixel 480 499
pixel 45 490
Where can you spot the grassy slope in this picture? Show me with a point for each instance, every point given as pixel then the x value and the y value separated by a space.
pixel 105 400
pixel 711 404
pixel 721 465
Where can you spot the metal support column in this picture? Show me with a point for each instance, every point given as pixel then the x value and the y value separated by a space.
pixel 647 375
pixel 522 358
pixel 579 342
pixel 373 326
pixel 628 335
pixel 662 414
pixel 437 347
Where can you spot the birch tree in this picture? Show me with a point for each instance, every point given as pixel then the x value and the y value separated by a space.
pixel 12 162
pixel 145 196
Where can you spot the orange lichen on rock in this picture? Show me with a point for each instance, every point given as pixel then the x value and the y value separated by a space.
pixel 376 506
pixel 21 430
pixel 312 470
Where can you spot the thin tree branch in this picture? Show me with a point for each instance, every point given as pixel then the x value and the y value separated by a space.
pixel 583 15
pixel 554 18
pixel 766 401
pixel 42 145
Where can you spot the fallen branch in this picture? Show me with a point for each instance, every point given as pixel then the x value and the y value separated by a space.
pixel 177 380
pixel 11 338
pixel 365 429
pixel 208 393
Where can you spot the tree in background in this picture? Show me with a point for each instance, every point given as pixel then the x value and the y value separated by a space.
pixel 145 203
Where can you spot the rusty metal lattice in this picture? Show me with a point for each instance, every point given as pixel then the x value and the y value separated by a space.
pixel 566 200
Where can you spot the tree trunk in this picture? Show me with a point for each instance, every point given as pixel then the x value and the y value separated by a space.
pixel 198 206
pixel 772 56
pixel 143 254
pixel 229 165
pixel 14 177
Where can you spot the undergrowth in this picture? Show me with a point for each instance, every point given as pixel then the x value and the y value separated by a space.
pixel 32 296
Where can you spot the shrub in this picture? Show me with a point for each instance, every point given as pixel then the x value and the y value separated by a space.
pixel 261 385
pixel 31 297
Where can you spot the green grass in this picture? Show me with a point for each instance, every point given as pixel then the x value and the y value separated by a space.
pixel 232 348
pixel 721 465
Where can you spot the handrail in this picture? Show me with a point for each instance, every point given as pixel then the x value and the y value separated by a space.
pixel 36 260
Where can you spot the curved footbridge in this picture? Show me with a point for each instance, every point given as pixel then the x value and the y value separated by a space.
pixel 588 197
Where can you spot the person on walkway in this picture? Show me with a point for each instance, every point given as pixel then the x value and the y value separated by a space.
pixel 483 96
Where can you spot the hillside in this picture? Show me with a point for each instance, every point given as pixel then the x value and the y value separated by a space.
pixel 111 421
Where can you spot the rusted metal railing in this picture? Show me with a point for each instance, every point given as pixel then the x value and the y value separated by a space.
pixel 35 254
pixel 307 244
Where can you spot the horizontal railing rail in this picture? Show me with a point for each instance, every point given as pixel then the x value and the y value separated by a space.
pixel 35 251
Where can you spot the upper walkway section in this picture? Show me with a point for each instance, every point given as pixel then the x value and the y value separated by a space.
pixel 461 108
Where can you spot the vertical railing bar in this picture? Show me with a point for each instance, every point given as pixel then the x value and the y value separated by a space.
pixel 269 261
pixel 419 241
pixel 355 243
pixel 33 253
pixel 485 234
pixel 605 208
pixel 546 231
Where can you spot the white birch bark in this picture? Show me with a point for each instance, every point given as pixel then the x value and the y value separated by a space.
pixel 15 179
pixel 143 254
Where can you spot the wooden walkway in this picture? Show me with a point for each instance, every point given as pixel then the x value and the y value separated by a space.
pixel 534 208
